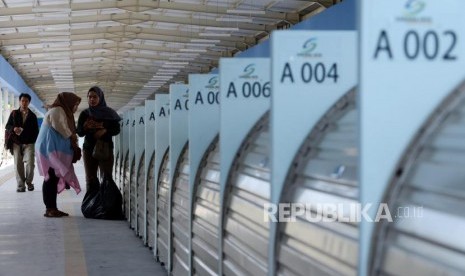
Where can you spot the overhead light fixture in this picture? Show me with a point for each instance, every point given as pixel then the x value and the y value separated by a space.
pixel 162 77
pixel 181 54
pixel 152 81
pixel 182 58
pixel 57 27
pixel 176 63
pixel 50 33
pixel 64 71
pixel 51 49
pixel 61 62
pixel 54 8
pixel 233 19
pixel 201 40
pixel 215 34
pixel 239 11
pixel 70 78
pixel 232 29
pixel 174 66
pixel 193 50
pixel 57 15
pixel 62 74
pixel 55 39
pixel 200 44
pixel 156 77
pixel 63 80
pixel 58 53
pixel 169 70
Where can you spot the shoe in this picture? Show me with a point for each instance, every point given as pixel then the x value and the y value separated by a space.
pixel 63 213
pixel 21 190
pixel 30 186
pixel 53 213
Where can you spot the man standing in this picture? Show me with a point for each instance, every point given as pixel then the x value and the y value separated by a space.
pixel 23 125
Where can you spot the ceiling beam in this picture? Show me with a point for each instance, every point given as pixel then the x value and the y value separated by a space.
pixel 129 19
pixel 147 5
pixel 117 34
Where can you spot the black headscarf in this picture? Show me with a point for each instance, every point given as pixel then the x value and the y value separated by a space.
pixel 102 111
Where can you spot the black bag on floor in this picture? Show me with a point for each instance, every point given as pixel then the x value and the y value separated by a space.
pixel 112 200
pixel 103 201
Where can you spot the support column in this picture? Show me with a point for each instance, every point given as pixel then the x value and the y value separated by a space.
pixel 5 113
pixel 2 116
pixel 6 103
pixel 14 104
pixel 2 125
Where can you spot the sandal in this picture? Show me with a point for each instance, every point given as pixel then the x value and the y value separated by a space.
pixel 30 186
pixel 53 213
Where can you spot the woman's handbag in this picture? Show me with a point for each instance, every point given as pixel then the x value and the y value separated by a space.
pixel 102 150
pixel 76 154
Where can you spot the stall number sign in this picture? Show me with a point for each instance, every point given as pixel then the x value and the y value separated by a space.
pixel 415 34
pixel 248 85
pixel 210 95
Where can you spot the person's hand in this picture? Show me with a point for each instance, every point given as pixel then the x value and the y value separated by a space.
pixel 91 124
pixel 99 133
pixel 74 140
pixel 87 124
pixel 18 130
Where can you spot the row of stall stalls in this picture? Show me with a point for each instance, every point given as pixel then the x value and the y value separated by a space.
pixel 332 156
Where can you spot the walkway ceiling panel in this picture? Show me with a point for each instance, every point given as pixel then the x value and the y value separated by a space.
pixel 121 44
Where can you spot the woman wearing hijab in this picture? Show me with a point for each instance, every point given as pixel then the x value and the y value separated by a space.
pixel 57 150
pixel 97 122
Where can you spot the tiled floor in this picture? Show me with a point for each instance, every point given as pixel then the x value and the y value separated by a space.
pixel 31 244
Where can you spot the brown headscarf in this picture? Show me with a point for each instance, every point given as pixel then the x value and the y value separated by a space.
pixel 67 100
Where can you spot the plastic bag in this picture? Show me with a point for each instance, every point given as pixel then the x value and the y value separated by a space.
pixel 92 205
pixel 103 201
pixel 102 150
pixel 112 199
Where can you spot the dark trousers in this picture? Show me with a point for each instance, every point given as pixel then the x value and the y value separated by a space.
pixel 49 190
pixel 92 165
